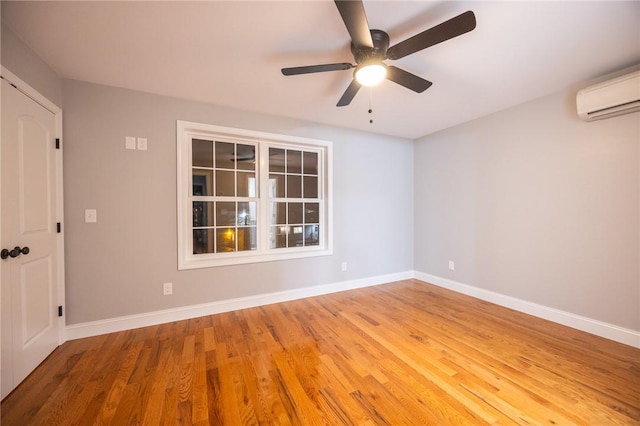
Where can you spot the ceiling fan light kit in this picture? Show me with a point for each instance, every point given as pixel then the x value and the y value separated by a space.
pixel 371 47
pixel 369 75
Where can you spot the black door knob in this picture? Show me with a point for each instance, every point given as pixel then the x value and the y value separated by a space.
pixel 17 251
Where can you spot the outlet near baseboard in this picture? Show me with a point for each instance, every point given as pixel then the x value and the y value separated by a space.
pixel 167 289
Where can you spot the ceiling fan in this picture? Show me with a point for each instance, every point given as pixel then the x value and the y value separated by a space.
pixel 371 47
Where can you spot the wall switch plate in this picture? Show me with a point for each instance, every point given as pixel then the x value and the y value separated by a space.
pixel 90 216
pixel 452 265
pixel 130 142
pixel 167 289
pixel 142 144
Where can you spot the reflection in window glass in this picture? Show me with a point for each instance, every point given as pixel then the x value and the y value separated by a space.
pixel 202 214
pixel 225 214
pixel 202 182
pixel 225 183
pixel 246 184
pixel 279 213
pixel 276 186
pixel 202 241
pixel 201 153
pixel 294 161
pixel 278 236
pixel 295 236
pixel 311 213
pixel 247 213
pixel 225 155
pixel 245 157
pixel 294 186
pixel 276 160
pixel 247 238
pixel 225 240
pixel 311 235
pixel 310 187
pixel 310 165
pixel 295 213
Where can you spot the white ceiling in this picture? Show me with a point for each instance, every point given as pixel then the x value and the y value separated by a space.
pixel 230 53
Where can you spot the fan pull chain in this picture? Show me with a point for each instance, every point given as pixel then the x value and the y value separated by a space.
pixel 370 103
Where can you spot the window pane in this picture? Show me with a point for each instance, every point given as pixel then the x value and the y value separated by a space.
pixel 294 186
pixel 311 212
pixel 276 186
pixel 202 182
pixel 202 241
pixel 294 161
pixel 245 157
pixel 279 213
pixel 201 153
pixel 276 160
pixel 225 240
pixel 311 235
pixel 225 155
pixel 295 236
pixel 246 184
pixel 202 214
pixel 278 236
pixel 225 183
pixel 247 238
pixel 295 213
pixel 310 163
pixel 310 187
pixel 225 214
pixel 247 213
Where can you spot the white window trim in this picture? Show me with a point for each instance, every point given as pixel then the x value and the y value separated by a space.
pixel 185 130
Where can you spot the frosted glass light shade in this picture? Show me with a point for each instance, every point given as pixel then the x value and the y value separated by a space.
pixel 370 75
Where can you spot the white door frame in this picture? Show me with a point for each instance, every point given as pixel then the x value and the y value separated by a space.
pixel 32 93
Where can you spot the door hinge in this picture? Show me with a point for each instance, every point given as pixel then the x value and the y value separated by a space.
pixel 57 143
pixel 58 227
pixel 59 311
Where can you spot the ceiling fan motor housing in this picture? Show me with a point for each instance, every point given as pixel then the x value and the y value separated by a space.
pixel 377 53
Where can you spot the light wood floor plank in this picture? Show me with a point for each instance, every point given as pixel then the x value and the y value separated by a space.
pixel 401 353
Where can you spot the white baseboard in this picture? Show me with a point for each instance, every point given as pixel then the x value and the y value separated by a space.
pixel 111 325
pixel 95 328
pixel 599 328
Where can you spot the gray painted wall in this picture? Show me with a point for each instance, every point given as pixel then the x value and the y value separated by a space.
pixel 533 203
pixel 116 266
pixel 529 202
pixel 29 67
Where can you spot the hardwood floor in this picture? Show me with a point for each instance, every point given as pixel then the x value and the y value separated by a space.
pixel 403 353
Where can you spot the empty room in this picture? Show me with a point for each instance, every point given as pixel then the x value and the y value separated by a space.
pixel 320 212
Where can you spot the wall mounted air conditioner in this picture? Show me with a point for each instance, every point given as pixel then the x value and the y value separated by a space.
pixel 612 97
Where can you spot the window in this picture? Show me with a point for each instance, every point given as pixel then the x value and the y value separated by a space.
pixel 246 196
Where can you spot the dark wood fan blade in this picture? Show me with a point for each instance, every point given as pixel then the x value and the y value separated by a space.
pixel 408 80
pixel 316 68
pixel 449 29
pixel 352 12
pixel 349 94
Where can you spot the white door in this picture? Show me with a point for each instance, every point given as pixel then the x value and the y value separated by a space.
pixel 30 326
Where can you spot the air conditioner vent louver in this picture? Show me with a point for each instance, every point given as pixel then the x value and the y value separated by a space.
pixel 617 96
